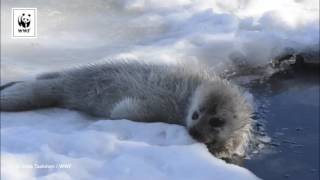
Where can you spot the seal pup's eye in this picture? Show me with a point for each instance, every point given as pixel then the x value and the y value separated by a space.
pixel 216 122
pixel 195 115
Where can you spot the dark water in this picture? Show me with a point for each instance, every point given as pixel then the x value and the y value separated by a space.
pixel 290 109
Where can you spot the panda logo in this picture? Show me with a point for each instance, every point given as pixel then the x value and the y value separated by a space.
pixel 24 20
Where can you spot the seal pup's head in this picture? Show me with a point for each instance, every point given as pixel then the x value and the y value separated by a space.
pixel 218 112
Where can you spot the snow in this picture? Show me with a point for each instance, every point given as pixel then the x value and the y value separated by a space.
pixel 215 32
pixel 34 145
pixel 218 33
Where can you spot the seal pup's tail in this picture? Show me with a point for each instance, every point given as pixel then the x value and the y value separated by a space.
pixel 29 95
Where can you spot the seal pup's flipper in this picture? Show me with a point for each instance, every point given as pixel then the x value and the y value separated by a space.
pixel 29 95
pixel 144 110
pixel 129 108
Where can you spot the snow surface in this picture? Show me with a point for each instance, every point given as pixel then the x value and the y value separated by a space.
pixel 34 145
pixel 218 33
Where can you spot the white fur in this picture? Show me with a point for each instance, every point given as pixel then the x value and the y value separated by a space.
pixel 140 92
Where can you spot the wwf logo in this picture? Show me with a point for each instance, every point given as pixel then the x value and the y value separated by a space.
pixel 24 20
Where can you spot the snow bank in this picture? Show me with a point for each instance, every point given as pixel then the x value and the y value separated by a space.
pixel 216 32
pixel 34 145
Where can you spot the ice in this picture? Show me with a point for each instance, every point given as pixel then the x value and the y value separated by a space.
pixel 63 144
pixel 264 139
pixel 214 32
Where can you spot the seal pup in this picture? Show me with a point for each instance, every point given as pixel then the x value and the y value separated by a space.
pixel 213 110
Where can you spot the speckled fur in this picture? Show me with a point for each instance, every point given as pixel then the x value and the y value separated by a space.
pixel 147 93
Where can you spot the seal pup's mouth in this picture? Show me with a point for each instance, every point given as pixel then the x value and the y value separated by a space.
pixel 199 137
